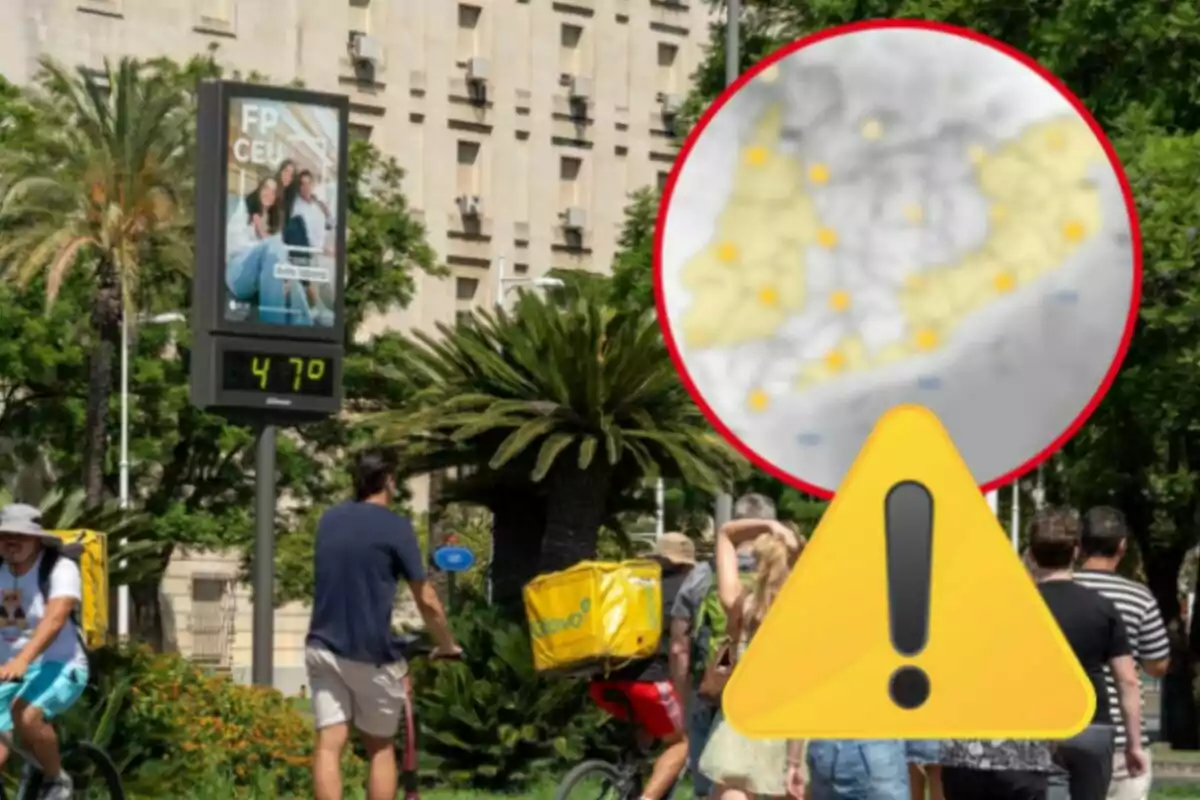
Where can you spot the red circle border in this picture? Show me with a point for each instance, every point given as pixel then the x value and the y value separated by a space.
pixel 830 33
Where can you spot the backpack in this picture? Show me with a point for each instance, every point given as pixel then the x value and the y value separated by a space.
pixel 74 550
pixel 711 623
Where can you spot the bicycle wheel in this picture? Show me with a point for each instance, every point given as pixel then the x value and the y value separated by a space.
pixel 597 780
pixel 92 771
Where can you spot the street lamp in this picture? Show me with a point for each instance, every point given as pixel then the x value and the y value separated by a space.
pixel 166 318
pixel 723 508
pixel 503 283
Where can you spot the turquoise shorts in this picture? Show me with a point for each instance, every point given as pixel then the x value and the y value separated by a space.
pixel 50 686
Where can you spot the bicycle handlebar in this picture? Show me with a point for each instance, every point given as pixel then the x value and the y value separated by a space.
pixel 418 646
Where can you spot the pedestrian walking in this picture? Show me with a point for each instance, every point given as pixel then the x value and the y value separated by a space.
pixel 1091 624
pixel 924 769
pixel 697 622
pixel 1096 632
pixel 1104 543
pixel 740 767
pixel 356 667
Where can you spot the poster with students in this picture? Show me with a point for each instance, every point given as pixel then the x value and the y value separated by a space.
pixel 282 201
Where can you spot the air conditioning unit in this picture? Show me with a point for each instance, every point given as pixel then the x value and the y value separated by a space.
pixel 366 49
pixel 575 219
pixel 670 104
pixel 581 89
pixel 470 205
pixel 477 71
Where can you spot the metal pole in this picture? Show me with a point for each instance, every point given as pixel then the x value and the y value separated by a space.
pixel 733 41
pixel 723 511
pixel 660 526
pixel 123 590
pixel 1015 519
pixel 261 667
pixel 500 282
pixel 492 539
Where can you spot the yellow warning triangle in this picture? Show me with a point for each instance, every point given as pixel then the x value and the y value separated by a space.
pixel 821 664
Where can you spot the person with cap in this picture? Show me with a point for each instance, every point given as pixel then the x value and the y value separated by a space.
pixel 43 666
pixel 646 686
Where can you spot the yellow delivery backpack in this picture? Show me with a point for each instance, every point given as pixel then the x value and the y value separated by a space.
pixel 594 617
pixel 89 549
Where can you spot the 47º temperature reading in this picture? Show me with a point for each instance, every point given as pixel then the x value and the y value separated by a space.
pixel 246 371
pixel 311 369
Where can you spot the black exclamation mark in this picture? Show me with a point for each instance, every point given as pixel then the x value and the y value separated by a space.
pixel 908 526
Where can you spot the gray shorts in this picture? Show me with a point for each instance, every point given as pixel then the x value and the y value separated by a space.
pixel 372 698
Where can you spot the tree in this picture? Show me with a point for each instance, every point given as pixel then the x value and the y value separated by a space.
pixel 192 473
pixel 99 188
pixel 557 405
pixel 632 284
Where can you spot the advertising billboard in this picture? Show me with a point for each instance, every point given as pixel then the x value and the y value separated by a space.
pixel 271 217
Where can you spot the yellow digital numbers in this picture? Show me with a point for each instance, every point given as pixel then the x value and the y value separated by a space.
pixel 261 368
pixel 312 368
pixel 304 371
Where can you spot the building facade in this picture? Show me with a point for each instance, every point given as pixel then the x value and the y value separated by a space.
pixel 523 125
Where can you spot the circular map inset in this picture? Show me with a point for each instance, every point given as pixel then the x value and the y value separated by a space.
pixel 897 213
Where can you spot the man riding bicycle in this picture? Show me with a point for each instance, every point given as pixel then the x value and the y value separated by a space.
pixel 43 666
pixel 646 685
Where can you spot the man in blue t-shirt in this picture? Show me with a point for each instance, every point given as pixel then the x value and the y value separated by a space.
pixel 356 668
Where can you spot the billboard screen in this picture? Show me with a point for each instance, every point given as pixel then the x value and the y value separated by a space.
pixel 271 219
pixel 283 186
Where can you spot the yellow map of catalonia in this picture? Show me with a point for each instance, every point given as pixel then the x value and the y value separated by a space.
pixel 751 277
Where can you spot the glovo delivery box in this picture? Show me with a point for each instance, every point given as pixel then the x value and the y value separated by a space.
pixel 90 550
pixel 595 616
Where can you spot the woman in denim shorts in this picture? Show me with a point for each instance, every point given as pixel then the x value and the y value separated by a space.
pixel 857 770
pixel 924 770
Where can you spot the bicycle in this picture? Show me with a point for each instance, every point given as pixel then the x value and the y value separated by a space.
pixel 619 780
pixel 414 646
pixel 92 771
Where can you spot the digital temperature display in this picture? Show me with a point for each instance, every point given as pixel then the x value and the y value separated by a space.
pixel 277 374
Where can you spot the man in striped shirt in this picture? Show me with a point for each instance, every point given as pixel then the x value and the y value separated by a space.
pixel 1104 542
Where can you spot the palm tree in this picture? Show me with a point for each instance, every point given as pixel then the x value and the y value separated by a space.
pixel 554 408
pixel 99 189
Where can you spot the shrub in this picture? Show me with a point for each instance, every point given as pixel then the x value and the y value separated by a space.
pixel 490 721
pixel 167 723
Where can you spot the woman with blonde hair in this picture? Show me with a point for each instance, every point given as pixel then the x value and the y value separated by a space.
pixel 742 768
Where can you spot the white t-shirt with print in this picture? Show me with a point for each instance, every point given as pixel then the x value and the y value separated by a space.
pixel 22 607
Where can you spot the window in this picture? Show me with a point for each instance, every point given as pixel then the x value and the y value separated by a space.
pixel 465 288
pixel 462 316
pixel 468 31
pixel 662 178
pixel 360 133
pixel 211 619
pixel 468 168
pixel 521 269
pixel 668 56
pixel 568 181
pixel 219 12
pixel 360 16
pixel 570 60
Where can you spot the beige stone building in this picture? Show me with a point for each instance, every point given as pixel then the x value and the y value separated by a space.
pixel 523 125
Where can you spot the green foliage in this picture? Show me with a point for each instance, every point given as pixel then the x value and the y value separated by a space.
pixel 169 724
pixel 491 722
pixel 632 272
pixel 548 380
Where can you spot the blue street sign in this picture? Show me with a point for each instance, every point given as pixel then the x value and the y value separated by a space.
pixel 453 558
